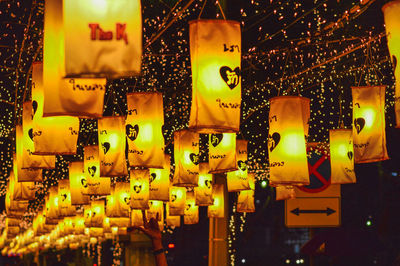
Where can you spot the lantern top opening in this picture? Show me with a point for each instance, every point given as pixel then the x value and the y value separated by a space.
pixel 389 4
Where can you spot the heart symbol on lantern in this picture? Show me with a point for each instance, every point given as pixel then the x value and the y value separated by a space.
pixel 350 155
pixel 153 176
pixel 188 206
pixel 92 170
pixel 34 106
pixel 132 131
pixel 242 165
pixel 216 139
pixel 231 77
pixel 194 158
pixel 106 146
pixel 93 214
pixel 30 133
pixel 64 196
pixel 207 183
pixel 273 141
pixel 137 188
pixel 127 200
pixel 84 183
pixel 359 123
pixel 173 197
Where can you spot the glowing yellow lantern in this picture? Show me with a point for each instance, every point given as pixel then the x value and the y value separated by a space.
pixel 64 196
pixel 78 184
pixel 79 225
pixel 177 199
pixel 97 213
pixel 144 129
pixel 286 143
pixel 28 159
pixel 369 134
pixel 112 146
pixel 21 191
pixel 172 220
pixel 221 152
pixel 21 174
pixel 285 192
pixel 52 202
pixel 139 189
pixel 51 135
pixel 156 207
pixel 159 181
pixel 392 25
pixel 237 180
pixel 119 222
pixel 245 200
pixel 215 55
pixel 186 155
pixel 136 217
pixel 96 185
pixel 341 156
pixel 217 209
pixel 118 203
pixel 14 208
pixel 96 38
pixel 191 213
pixel 203 193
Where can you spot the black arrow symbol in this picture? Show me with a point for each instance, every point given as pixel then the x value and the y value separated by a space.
pixel 328 211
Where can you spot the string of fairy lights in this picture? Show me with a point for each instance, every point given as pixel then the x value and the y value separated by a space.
pixel 316 49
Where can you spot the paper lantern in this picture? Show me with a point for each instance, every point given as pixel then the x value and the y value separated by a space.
pixel 217 209
pixel 392 25
pixel 64 196
pixel 172 220
pixel 342 156
pixel 78 184
pixel 14 208
pixel 245 200
pixel 203 193
pixel 79 225
pixel 52 202
pixel 191 213
pixel 21 174
pixel 237 180
pixel 120 222
pixel 285 192
pixel 369 134
pixel 177 199
pixel 215 54
pixel 21 190
pixel 97 213
pixel 144 129
pixel 112 146
pixel 139 189
pixel 159 181
pixel 186 155
pixel 28 159
pixel 93 38
pixel 51 135
pixel 156 208
pixel 221 152
pixel 118 203
pixel 286 143
pixel 136 217
pixel 96 185
pixel 68 226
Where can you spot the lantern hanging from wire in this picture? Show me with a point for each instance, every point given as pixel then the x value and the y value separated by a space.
pixel 221 152
pixel 342 156
pixel 64 196
pixel 52 202
pixel 245 201
pixel 177 199
pixel 172 220
pixel 159 181
pixel 186 157
pixel 284 192
pixel 191 213
pixel 78 184
pixel 144 129
pixel 119 205
pixel 217 210
pixel 97 213
pixel 23 174
pixel 392 25
pixel 139 189
pixel 286 141
pixel 369 134
pixel 51 135
pixel 136 217
pixel 21 190
pixel 237 180
pixel 92 38
pixel 203 193
pixel 112 146
pixel 96 185
pixel 156 211
pixel 215 55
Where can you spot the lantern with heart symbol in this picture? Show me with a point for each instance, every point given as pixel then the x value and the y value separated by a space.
pixel 51 135
pixel 215 54
pixel 112 146
pixel 78 184
pixel 144 129
pixel 203 193
pixel 97 213
pixel 52 210
pixel 369 134
pixel 186 156
pixel 237 180
pixel 139 189
pixel 191 213
pixel 392 25
pixel 96 185
pixel 93 38
pixel 28 159
pixel 122 199
pixel 66 209
pixel 216 210
pixel 156 209
pixel 159 181
pixel 221 152
pixel 172 220
pixel 177 199
pixel 23 174
pixel 342 156
pixel 288 126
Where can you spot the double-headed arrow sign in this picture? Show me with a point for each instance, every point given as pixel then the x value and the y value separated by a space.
pixel 297 211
